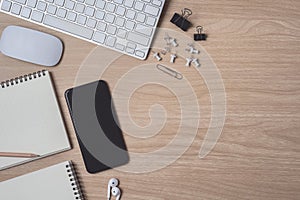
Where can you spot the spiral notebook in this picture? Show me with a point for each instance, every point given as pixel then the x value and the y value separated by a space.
pixel 51 183
pixel 30 119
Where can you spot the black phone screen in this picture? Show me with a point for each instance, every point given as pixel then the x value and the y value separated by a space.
pixel 97 127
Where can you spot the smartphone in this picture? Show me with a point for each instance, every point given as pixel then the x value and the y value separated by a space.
pixel 97 127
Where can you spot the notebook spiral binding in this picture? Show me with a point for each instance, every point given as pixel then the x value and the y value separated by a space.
pixel 74 182
pixel 21 79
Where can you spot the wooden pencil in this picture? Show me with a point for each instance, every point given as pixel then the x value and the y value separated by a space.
pixel 20 155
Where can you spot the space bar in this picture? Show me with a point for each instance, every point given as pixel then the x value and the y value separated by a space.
pixel 68 27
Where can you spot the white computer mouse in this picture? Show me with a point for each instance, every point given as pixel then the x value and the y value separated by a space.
pixel 31 46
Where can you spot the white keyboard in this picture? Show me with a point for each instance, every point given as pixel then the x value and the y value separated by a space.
pixel 126 26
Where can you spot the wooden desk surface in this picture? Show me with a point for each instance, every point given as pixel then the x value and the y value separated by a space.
pixel 256 46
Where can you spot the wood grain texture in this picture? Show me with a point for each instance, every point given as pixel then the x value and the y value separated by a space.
pixel 256 46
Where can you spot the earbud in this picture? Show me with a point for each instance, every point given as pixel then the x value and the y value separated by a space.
pixel 116 192
pixel 112 183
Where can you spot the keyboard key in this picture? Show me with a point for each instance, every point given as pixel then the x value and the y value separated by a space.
pixel 139 5
pixel 26 12
pixel 128 3
pixel 37 16
pixel 109 18
pixel 101 26
pixel 121 47
pixel 141 17
pixel 99 37
pixel 81 19
pixel 129 50
pixel 157 2
pixel 16 9
pixel 150 21
pixel 111 29
pixel 32 3
pixel 118 1
pixel 90 2
pixel 68 27
pixel 70 4
pixel 89 11
pixel 131 45
pixel 81 1
pixel 59 2
pixel 110 7
pixel 120 21
pixel 145 30
pixel 6 5
pixel 71 16
pixel 100 14
pixel 41 6
pixel 50 1
pixel 129 25
pixel 79 7
pixel 130 14
pixel 140 54
pixel 61 12
pixel 91 23
pixel 151 10
pixel 120 10
pixel 52 9
pixel 100 4
pixel 20 1
pixel 110 41
pixel 122 33
pixel 138 38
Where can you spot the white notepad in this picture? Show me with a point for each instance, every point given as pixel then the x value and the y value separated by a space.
pixel 57 182
pixel 30 119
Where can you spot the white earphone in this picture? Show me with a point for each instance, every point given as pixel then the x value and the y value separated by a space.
pixel 116 192
pixel 112 188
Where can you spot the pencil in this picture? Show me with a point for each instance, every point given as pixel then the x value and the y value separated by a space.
pixel 20 155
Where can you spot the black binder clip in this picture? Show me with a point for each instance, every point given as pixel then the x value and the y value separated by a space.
pixel 199 36
pixel 181 20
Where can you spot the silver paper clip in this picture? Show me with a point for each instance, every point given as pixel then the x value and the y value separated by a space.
pixel 169 71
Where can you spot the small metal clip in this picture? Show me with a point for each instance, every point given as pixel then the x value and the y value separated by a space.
pixel 169 71
pixel 199 36
pixel 181 20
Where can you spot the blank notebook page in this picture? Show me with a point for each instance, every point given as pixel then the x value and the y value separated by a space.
pixel 30 119
pixel 57 182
